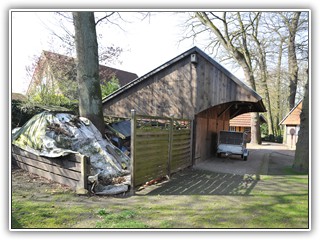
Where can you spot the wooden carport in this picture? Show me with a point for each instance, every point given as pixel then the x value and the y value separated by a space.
pixel 193 86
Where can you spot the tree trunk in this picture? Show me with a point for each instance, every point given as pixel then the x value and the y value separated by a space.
pixel 278 86
pixel 255 128
pixel 90 100
pixel 268 105
pixel 301 160
pixel 292 59
pixel 255 119
pixel 263 73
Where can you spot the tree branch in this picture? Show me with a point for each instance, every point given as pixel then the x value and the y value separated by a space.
pixel 105 17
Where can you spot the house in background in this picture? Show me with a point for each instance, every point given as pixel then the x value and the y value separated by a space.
pixel 59 72
pixel 291 123
pixel 193 86
pixel 242 123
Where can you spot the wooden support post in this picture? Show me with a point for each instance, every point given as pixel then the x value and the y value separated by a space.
pixel 82 187
pixel 132 149
pixel 192 154
pixel 170 148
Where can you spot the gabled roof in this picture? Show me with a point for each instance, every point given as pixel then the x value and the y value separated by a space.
pixel 176 59
pixel 293 117
pixel 66 65
pixel 244 120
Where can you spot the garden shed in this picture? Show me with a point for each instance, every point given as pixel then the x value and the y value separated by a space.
pixel 291 123
pixel 190 86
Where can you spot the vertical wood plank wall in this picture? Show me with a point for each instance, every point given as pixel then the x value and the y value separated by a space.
pixel 208 125
pixel 170 92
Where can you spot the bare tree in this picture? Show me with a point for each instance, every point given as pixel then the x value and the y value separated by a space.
pixel 291 22
pixel 262 62
pixel 63 36
pixel 235 42
pixel 278 86
pixel 90 100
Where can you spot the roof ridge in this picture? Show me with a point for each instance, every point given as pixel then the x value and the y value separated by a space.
pixel 177 58
pixel 70 57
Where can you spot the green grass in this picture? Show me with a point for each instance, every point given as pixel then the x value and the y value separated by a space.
pixel 274 202
pixel 291 171
pixel 29 214
pixel 122 219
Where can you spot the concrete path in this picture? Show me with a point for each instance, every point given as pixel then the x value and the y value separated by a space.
pixel 257 163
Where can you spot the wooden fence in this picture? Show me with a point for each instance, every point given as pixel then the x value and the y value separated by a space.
pixel 71 170
pixel 159 147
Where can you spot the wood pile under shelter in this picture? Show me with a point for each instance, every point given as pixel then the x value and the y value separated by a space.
pixel 190 86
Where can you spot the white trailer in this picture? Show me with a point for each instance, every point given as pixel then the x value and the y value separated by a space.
pixel 232 143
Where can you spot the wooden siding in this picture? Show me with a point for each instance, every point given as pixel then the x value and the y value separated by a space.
pixel 214 87
pixel 208 125
pixel 181 89
pixel 71 170
pixel 171 92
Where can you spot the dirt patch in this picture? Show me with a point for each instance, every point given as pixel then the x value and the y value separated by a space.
pixel 26 184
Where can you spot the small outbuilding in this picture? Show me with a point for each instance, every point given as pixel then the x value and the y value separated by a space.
pixel 193 86
pixel 291 123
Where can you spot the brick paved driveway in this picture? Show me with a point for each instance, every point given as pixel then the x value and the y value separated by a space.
pixel 226 176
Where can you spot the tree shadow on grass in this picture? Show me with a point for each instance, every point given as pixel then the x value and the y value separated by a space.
pixel 201 182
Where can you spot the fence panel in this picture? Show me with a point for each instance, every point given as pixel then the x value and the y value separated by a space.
pixel 159 146
pixel 181 148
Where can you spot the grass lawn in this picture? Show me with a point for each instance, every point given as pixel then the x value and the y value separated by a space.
pixel 275 202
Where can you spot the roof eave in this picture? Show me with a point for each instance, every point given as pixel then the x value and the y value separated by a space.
pixel 280 123
pixel 179 57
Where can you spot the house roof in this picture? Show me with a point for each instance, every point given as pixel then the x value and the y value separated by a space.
pixel 293 117
pixel 67 64
pixel 18 97
pixel 244 120
pixel 124 88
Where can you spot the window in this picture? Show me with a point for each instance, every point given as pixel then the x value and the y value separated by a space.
pixel 247 129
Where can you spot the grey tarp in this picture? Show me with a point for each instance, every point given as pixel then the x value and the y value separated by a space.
pixel 54 134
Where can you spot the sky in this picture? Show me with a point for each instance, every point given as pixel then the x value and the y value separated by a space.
pixel 146 44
